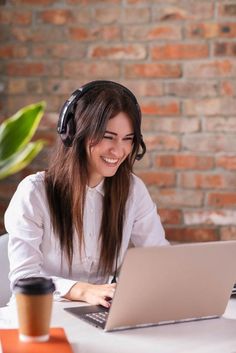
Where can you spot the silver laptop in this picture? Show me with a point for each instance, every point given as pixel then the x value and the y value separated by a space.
pixel 168 284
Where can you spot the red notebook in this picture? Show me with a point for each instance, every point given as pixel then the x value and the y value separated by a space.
pixel 58 342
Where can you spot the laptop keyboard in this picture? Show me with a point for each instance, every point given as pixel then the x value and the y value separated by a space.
pixel 98 319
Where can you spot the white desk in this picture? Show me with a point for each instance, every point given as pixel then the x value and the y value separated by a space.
pixel 207 336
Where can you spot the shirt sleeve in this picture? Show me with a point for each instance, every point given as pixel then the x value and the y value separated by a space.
pixel 147 228
pixel 24 221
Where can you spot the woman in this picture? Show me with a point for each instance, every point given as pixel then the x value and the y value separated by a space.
pixel 74 222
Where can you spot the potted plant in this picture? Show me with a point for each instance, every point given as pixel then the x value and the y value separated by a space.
pixel 16 148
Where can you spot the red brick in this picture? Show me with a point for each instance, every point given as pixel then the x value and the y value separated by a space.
pixel 56 16
pixel 136 15
pixel 179 51
pixel 178 197
pixel 192 234
pixel 228 233
pixel 91 70
pixel 160 179
pixel 162 142
pixel 211 30
pixel 225 199
pixel 228 88
pixel 170 216
pixel 111 32
pixel 63 50
pixel 13 51
pixel 83 16
pixel 118 52
pixel 171 125
pixel 15 17
pixel 48 136
pixel 202 181
pixel 144 88
pixel 225 49
pixel 227 10
pixel 226 162
pixel 209 143
pixel 211 106
pixel 59 51
pixel 182 161
pixel 227 30
pixel 136 2
pixel 7 190
pixel 152 32
pixel 35 85
pixel 183 10
pixel 38 34
pixel 204 30
pixel 40 51
pixel 152 70
pixel 192 88
pixel 23 85
pixel 107 15
pixel 94 2
pixel 162 107
pixel 16 86
pixel 94 33
pixel 144 164
pixel 25 69
pixel 33 2
pixel 219 124
pixel 210 69
pixel 83 34
pixel 62 87
pixel 16 102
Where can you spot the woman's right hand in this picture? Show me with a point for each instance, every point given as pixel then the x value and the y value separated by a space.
pixel 92 293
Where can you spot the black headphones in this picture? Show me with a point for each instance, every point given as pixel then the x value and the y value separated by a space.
pixel 66 126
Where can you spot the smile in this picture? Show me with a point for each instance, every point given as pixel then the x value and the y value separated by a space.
pixel 111 161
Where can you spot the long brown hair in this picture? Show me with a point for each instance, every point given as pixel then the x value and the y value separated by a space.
pixel 67 175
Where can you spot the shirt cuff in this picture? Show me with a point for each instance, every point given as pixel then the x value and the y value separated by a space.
pixel 62 287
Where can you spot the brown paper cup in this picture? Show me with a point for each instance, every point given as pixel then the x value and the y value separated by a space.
pixel 34 300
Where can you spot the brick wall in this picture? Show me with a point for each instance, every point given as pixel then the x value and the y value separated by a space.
pixel 179 59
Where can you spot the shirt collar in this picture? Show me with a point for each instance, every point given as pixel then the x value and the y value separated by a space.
pixel 99 188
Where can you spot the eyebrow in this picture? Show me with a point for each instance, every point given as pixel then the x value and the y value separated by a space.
pixel 115 134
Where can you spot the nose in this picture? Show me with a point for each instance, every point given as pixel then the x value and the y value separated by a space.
pixel 117 149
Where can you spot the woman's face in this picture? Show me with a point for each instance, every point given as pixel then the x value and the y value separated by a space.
pixel 105 157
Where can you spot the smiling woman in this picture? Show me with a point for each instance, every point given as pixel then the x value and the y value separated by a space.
pixel 74 222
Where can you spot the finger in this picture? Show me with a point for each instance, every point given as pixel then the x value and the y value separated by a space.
pixel 104 303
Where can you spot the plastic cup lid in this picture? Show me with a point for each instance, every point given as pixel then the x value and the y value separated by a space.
pixel 34 285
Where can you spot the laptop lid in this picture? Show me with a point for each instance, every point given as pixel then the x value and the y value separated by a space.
pixel 172 283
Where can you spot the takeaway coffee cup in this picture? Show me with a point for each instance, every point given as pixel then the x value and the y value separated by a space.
pixel 34 298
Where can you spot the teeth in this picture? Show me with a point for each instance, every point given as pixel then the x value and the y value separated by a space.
pixel 110 160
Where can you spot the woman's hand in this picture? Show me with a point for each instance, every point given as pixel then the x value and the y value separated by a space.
pixel 92 293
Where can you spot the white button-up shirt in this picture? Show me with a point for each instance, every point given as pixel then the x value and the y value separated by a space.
pixel 34 250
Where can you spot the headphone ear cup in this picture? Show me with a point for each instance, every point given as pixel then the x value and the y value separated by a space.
pixel 68 136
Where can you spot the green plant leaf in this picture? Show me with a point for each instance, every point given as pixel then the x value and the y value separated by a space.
pixel 21 159
pixel 17 131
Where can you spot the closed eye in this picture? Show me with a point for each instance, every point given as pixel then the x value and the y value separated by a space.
pixel 108 137
pixel 131 139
